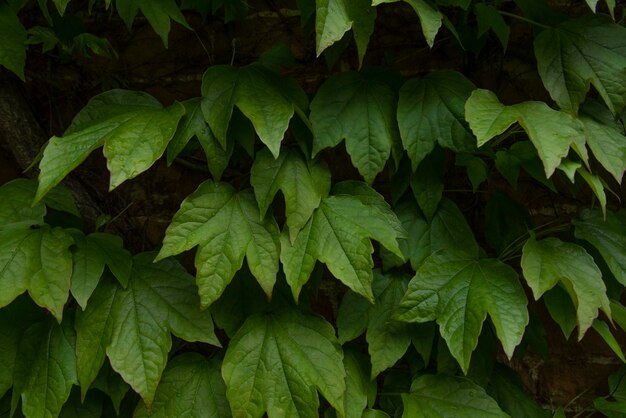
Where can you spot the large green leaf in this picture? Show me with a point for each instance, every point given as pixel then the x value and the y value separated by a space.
pixel 133 325
pixel 157 12
pixel 605 137
pixel 12 41
pixel 549 261
pixel 360 108
pixel 580 52
pixel 45 368
pixel 459 291
pixel 132 126
pixel 333 18
pixel 191 387
pixel 228 227
pixel 303 184
pixel 267 99
pixel 91 254
pixel 430 18
pixel 607 235
pixel 277 360
pixel 551 132
pixel 339 236
pixel 442 396
pixel 37 259
pixel 387 338
pixel 431 110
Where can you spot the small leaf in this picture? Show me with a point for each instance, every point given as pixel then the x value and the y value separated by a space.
pixel 191 387
pixel 596 185
pixel 561 309
pixel 607 235
pixel 38 260
pixel 551 132
pixel 360 108
pixel 157 12
pixel 303 184
pixel 228 227
pixel 339 235
pixel 277 360
pixel 333 18
pixel 267 99
pixel 119 120
pixel 441 396
pixel 430 18
pixel 581 52
pixel 459 292
pixel 549 261
pixel 12 41
pixel 489 18
pixel 603 329
pixel 431 110
pixel 133 325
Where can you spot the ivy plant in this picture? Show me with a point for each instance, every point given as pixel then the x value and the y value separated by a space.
pixel 395 265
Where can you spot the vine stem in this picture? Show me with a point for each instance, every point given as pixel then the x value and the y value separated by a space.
pixel 525 19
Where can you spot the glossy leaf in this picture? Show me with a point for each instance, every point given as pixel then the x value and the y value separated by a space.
pixel 12 41
pixel 267 99
pixel 45 368
pixel 133 325
pixel 430 18
pixel 228 227
pixel 303 184
pixel 551 132
pixel 276 362
pixel 549 261
pixel 119 120
pixel 459 291
pixel 431 110
pixel 36 259
pixel 441 396
pixel 339 236
pixel 361 109
pixel 333 18
pixel 607 235
pixel 157 12
pixel 590 50
pixel 191 386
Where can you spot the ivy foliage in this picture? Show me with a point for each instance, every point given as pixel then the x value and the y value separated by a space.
pixel 427 301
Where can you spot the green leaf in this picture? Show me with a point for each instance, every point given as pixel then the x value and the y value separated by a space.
pixel 489 18
pixel 90 256
pixel 339 236
pixel 596 185
pixel 360 108
pixel 358 384
pixel 442 396
pixel 605 137
pixel 506 222
pixel 333 18
pixel 157 12
pixel 277 360
pixel 16 198
pixel 430 18
pixel 551 132
pixel 12 41
pixel 228 227
pixel 267 99
pixel 45 368
pixel 603 329
pixel 36 259
pixel 459 292
pixel 522 154
pixel 580 52
pixel 507 389
pixel 303 183
pixel 607 235
pixel 610 409
pixel 561 309
pixel 387 338
pixel 431 110
pixel 110 383
pixel 477 169
pixel 191 387
pixel 427 182
pixel 549 261
pixel 90 407
pixel 132 126
pixel 133 325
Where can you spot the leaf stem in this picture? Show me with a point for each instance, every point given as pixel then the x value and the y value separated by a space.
pixel 525 19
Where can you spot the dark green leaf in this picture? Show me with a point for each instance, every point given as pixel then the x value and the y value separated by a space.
pixel 12 41
pixel 506 388
pixel 157 12
pixel 427 182
pixel 430 17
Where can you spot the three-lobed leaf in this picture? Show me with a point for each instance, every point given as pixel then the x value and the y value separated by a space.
pixel 458 291
pixel 133 127
pixel 278 361
pixel 550 261
pixel 227 226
